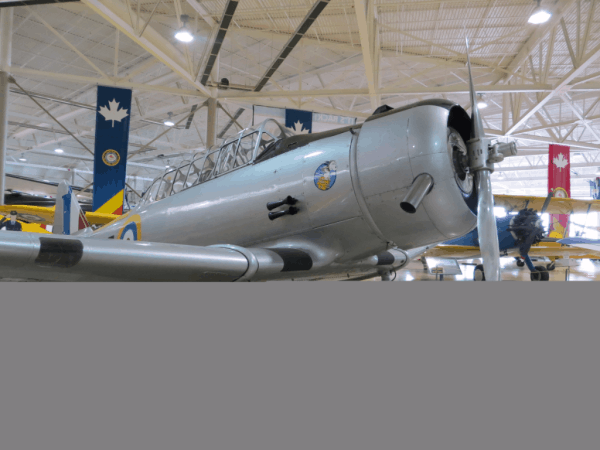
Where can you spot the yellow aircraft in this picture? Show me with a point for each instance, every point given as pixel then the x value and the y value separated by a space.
pixel 29 227
pixel 467 247
pixel 45 216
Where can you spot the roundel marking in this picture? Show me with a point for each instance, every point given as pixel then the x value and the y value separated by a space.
pixel 132 229
pixel 325 175
pixel 111 157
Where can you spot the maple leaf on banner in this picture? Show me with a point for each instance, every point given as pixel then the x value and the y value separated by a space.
pixel 560 161
pixel 113 112
pixel 298 128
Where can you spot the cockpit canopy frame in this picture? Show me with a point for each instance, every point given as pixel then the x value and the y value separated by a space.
pixel 236 152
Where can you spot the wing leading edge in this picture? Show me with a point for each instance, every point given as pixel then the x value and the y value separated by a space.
pixel 555 206
pixel 69 258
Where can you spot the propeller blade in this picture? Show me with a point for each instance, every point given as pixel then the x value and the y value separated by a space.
pixel 476 122
pixel 487 228
pixel 547 202
pixel 486 220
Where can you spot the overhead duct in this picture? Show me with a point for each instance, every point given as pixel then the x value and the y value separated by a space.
pixel 312 15
pixel 223 26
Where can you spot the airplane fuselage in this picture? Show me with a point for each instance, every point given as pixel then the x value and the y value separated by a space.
pixel 348 184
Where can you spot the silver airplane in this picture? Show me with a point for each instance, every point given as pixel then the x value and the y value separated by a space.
pixel 351 203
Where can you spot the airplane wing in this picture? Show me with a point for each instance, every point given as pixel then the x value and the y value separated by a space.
pixel 30 227
pixel 556 206
pixel 454 252
pixel 45 215
pixel 96 218
pixel 559 250
pixel 28 256
pixel 547 249
pixel 593 246
pixel 52 257
pixel 37 214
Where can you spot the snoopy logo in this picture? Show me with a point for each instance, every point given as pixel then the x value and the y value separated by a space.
pixel 325 175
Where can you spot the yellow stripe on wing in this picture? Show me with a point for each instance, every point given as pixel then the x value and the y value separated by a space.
pixel 97 218
pixel 36 214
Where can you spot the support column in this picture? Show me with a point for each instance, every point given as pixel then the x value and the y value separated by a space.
pixel 6 19
pixel 211 123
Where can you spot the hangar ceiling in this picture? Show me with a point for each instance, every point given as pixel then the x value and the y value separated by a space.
pixel 541 82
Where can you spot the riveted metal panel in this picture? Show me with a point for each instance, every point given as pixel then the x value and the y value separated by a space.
pixel 404 229
pixel 338 202
pixel 427 130
pixel 382 154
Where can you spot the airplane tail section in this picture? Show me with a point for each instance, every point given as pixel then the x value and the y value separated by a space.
pixel 68 217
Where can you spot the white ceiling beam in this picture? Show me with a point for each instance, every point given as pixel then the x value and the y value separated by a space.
pixel 566 123
pixel 416 90
pixel 309 106
pixel 568 42
pixel 68 44
pixel 561 86
pixel 39 74
pixel 456 63
pixel 565 97
pixel 151 41
pixel 202 12
pixel 63 169
pixel 360 9
pixel 545 139
pixel 542 167
pixel 558 11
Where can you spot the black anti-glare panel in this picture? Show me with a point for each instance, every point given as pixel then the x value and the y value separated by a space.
pixel 223 26
pixel 306 23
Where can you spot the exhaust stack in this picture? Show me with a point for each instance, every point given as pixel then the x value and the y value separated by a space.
pixel 421 186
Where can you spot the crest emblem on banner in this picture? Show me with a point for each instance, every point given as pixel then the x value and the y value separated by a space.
pixel 111 157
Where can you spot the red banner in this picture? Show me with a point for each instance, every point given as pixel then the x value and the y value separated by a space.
pixel 559 181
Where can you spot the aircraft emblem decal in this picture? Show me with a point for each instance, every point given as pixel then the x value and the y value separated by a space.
pixel 113 112
pixel 132 230
pixel 560 161
pixel 325 175
pixel 111 157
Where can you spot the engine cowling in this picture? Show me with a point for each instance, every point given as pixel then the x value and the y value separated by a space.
pixel 396 147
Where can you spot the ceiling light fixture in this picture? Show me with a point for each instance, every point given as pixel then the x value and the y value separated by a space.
pixel 22 158
pixel 169 122
pixel 540 15
pixel 481 104
pixel 59 150
pixel 184 34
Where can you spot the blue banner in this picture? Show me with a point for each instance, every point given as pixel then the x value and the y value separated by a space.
pixel 595 188
pixel 298 121
pixel 110 152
